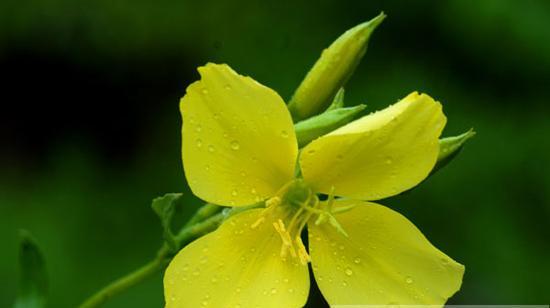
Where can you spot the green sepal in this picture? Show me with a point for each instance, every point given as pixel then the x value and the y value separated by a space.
pixel 165 207
pixel 33 281
pixel 338 101
pixel 333 69
pixel 317 126
pixel 449 148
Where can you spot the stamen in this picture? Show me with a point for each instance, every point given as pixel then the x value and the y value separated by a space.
pixel 258 222
pixel 302 252
pixel 272 202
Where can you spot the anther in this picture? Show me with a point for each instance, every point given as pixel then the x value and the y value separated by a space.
pixel 257 222
pixel 272 202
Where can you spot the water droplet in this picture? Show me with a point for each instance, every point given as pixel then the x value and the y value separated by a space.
pixel 216 115
pixel 196 273
pixel 284 134
pixel 238 290
pixel 273 291
pixel 235 145
pixel 185 268
pixel 409 280
pixel 444 261
pixel 198 128
pixel 214 280
pixel 349 272
pixel 357 261
pixel 211 149
pixel 253 191
pixel 227 87
pixel 207 168
pixel 344 283
pixel 199 143
pixel 204 91
pixel 311 152
pixel 291 290
pixel 388 161
pixel 285 280
pixel 341 247
pixel 173 298
pixel 234 193
pixel 205 303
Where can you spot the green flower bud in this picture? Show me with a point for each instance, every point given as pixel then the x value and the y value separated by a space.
pixel 332 70
pixel 450 147
pixel 317 126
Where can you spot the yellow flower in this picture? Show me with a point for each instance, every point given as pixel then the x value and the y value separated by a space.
pixel 239 148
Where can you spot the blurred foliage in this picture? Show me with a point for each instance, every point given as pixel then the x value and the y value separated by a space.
pixel 90 128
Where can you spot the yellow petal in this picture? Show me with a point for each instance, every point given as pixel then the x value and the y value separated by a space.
pixel 384 260
pixel 236 266
pixel 379 155
pixel 239 144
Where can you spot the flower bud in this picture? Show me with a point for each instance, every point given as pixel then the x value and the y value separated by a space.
pixel 450 147
pixel 332 70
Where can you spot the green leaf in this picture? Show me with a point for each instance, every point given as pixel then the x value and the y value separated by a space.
pixel 33 282
pixel 331 72
pixel 317 126
pixel 165 208
pixel 450 147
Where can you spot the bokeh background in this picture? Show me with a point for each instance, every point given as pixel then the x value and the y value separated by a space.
pixel 90 128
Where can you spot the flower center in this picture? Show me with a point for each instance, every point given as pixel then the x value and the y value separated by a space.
pixel 294 205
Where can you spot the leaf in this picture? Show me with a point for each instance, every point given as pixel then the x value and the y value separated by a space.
pixel 317 126
pixel 33 281
pixel 450 147
pixel 165 208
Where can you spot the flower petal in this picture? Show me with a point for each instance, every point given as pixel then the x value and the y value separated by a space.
pixel 384 260
pixel 239 144
pixel 236 266
pixel 379 155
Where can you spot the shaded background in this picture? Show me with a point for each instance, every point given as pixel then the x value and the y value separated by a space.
pixel 90 128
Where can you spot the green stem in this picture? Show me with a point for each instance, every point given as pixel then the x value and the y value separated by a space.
pixel 184 237
pixel 124 283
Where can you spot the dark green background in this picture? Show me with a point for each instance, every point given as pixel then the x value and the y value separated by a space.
pixel 90 128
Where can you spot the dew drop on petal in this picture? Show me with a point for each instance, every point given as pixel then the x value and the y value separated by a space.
pixel 409 280
pixel 199 143
pixel 357 260
pixel 235 145
pixel 211 149
pixel 349 272
pixel 284 134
